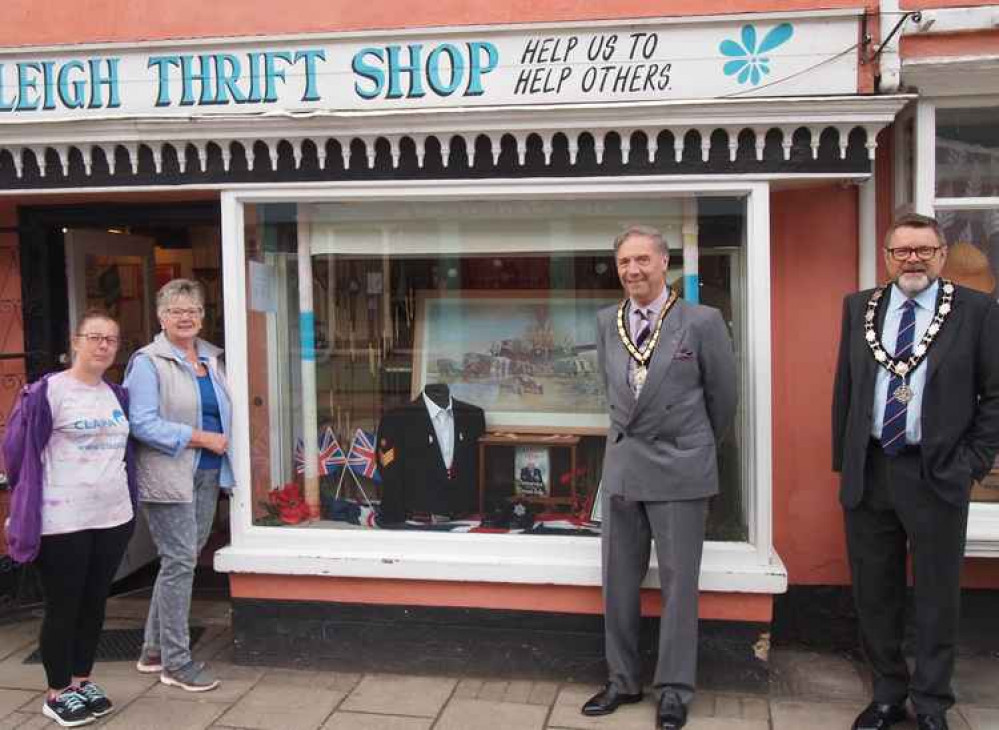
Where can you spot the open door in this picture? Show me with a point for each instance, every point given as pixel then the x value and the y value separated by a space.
pixel 114 272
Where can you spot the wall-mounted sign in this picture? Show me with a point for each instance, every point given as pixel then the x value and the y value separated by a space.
pixel 654 61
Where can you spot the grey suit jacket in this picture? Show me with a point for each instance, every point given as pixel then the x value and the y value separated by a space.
pixel 663 445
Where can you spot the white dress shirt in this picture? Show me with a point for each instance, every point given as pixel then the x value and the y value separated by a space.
pixel 926 304
pixel 443 420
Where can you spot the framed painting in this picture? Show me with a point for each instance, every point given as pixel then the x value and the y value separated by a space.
pixel 528 359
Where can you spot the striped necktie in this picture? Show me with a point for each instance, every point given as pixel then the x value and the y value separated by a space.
pixel 644 329
pixel 893 430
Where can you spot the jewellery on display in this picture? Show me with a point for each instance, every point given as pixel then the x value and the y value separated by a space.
pixel 903 368
pixel 642 356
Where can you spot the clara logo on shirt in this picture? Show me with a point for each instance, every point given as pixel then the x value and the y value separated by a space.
pixel 92 424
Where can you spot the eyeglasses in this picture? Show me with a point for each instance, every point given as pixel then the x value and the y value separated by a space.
pixel 178 312
pixel 904 253
pixel 95 339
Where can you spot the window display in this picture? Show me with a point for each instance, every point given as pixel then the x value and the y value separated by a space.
pixel 432 366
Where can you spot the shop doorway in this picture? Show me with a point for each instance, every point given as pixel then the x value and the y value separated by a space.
pixel 116 258
pixel 113 271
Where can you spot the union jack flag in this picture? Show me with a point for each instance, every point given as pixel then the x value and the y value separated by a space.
pixel 361 457
pixel 331 458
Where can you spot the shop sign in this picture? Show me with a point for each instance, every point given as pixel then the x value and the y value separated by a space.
pixel 748 56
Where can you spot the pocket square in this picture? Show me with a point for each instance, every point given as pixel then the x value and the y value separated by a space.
pixel 683 355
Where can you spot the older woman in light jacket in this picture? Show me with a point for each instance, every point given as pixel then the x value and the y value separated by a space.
pixel 181 417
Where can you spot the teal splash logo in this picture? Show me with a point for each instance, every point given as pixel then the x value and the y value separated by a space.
pixel 750 64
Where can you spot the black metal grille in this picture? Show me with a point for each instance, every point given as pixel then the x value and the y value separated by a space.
pixel 118 645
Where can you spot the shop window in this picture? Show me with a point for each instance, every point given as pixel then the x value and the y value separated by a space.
pixel 967 206
pixel 357 312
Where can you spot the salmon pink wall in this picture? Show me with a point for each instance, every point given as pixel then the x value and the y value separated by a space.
pixel 42 22
pixel 814 264
pixel 930 4
pixel 755 607
pixel 977 43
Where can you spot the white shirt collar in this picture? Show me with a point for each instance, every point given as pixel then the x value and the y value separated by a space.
pixel 927 298
pixel 655 306
pixel 434 410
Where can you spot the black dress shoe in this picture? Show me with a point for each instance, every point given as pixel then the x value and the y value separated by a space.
pixel 607 700
pixel 877 716
pixel 672 714
pixel 931 722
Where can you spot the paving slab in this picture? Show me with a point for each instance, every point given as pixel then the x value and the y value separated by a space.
pixel 980 718
pixel 156 713
pixel 468 688
pixel 543 693
pixel 518 691
pixel 566 714
pixel 13 699
pixel 976 680
pixel 339 681
pixel 15 674
pixel 797 714
pixel 17 636
pixel 725 723
pixel 27 721
pixel 401 695
pixel 358 721
pixel 810 675
pixel 493 690
pixel 461 714
pixel 282 707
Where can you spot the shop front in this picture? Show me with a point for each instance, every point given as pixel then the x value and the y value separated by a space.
pixel 413 219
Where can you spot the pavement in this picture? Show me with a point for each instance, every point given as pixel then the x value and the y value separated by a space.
pixel 808 690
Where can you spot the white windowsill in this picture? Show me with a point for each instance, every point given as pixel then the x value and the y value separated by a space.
pixel 726 567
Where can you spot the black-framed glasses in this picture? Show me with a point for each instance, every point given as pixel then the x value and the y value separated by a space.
pixel 904 253
pixel 95 339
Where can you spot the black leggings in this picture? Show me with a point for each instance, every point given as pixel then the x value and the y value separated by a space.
pixel 76 571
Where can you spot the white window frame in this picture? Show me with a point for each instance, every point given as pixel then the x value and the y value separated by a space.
pixel 751 566
pixel 983 518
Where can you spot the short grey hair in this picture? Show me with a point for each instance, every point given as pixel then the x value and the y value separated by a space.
pixel 644 231
pixel 179 288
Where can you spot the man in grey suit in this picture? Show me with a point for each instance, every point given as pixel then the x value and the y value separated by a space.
pixel 670 379
pixel 915 422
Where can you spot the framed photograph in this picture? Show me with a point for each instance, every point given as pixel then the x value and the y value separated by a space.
pixel 532 471
pixel 528 360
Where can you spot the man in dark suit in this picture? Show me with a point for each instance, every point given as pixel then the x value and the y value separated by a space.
pixel 428 454
pixel 915 422
pixel 670 378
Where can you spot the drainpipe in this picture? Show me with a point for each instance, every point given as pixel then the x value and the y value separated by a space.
pixel 867 254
